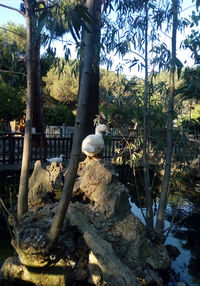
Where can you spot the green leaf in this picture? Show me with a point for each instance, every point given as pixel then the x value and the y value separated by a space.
pixel 52 32
pixel 179 66
pixel 39 29
pixel 72 30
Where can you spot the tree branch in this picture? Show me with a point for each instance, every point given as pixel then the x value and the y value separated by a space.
pixel 133 52
pixel 20 73
pixel 192 6
pixel 11 8
pixel 161 31
pixel 7 30
pixel 45 8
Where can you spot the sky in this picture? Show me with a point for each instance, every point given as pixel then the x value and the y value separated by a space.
pixel 7 15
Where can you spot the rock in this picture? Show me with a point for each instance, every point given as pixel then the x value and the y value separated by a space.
pixel 113 270
pixel 155 255
pixel 96 275
pixel 68 261
pixel 101 241
pixel 12 268
pixel 43 182
pixel 95 182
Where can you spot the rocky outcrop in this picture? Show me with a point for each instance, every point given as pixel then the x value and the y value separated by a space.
pixel 104 191
pixel 43 182
pixel 101 242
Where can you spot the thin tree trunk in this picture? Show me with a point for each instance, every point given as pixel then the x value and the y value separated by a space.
pixel 38 117
pixel 23 186
pixel 148 191
pixel 38 120
pixel 78 135
pixel 93 97
pixel 166 178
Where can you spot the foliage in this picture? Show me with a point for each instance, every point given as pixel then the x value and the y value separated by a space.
pixel 58 115
pixel 122 112
pixel 191 125
pixel 62 87
pixel 190 87
pixel 12 52
pixel 186 93
pixel 12 76
pixel 193 40
pixel 122 105
pixel 65 16
pixel 47 61
pixel 11 103
pixel 125 106
pixel 14 37
pixel 124 33
pixel 114 84
pixel 195 113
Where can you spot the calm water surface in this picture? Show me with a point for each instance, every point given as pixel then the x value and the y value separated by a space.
pixel 185 235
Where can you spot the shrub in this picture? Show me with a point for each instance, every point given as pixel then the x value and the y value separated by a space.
pixel 58 115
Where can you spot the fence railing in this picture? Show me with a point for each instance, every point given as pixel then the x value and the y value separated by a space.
pixel 11 147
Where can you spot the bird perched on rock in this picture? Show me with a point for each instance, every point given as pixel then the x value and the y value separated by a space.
pixel 93 144
pixel 56 159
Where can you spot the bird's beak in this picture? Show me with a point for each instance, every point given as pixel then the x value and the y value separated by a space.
pixel 107 131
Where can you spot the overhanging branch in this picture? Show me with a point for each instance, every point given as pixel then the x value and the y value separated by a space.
pixel 11 8
pixel 7 30
pixel 20 73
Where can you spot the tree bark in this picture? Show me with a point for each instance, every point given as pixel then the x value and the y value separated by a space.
pixel 93 96
pixel 148 191
pixel 165 183
pixel 84 86
pixel 38 120
pixel 23 186
pixel 38 117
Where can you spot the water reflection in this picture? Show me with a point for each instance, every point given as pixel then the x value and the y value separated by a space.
pixel 185 235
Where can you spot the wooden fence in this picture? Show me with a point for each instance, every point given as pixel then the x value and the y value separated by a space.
pixel 11 147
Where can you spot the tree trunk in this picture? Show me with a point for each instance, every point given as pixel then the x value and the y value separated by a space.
pixel 23 186
pixel 38 139
pixel 166 178
pixel 93 97
pixel 38 121
pixel 148 191
pixel 84 86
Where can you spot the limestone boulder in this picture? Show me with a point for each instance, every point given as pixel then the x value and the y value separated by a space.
pixel 43 182
pixel 104 191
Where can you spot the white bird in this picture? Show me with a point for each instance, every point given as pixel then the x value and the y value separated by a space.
pixel 56 159
pixel 93 144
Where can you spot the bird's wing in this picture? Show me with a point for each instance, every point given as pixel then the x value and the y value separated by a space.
pixel 93 143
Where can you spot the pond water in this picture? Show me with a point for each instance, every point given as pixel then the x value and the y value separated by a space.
pixel 6 248
pixel 185 235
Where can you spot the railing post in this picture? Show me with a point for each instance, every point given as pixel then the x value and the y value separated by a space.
pixel 11 149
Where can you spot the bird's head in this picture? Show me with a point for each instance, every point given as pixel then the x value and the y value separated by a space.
pixel 101 128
